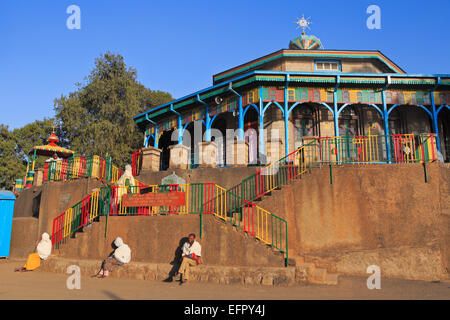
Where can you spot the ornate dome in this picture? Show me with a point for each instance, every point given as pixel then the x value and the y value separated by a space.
pixel 305 42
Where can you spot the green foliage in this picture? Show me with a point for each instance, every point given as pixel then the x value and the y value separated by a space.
pixel 15 146
pixel 10 167
pixel 98 117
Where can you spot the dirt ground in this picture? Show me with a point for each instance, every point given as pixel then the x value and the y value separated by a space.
pixel 41 285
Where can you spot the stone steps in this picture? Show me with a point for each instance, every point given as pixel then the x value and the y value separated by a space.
pixel 266 276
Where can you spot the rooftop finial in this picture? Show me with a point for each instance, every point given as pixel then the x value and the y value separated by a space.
pixel 303 23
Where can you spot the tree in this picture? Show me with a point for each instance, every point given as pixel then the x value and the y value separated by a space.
pixel 98 117
pixel 10 167
pixel 15 146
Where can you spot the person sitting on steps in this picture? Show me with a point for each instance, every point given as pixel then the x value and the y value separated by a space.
pixel 192 252
pixel 119 257
pixel 44 249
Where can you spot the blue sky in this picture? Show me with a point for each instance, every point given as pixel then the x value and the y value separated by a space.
pixel 177 46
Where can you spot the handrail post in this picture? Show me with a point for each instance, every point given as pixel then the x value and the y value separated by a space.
pixel 201 209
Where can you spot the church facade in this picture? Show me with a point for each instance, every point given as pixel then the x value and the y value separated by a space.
pixel 280 101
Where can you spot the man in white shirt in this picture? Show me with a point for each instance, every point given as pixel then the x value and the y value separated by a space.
pixel 192 251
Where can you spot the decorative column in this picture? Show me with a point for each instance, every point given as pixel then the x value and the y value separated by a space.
pixel 261 124
pixel 179 156
pixel 38 177
pixel 335 108
pixel 207 154
pixel 239 154
pixel 286 117
pixel 386 125
pixel 435 121
pixel 151 157
pixel 274 147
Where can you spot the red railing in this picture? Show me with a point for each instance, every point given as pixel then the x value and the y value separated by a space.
pixel 136 162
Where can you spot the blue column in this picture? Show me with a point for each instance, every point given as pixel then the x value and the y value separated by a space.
pixel 180 130
pixel 435 121
pixel 208 124
pixel 155 144
pixel 261 123
pixel 241 120
pixel 286 120
pixel 335 113
pixel 386 125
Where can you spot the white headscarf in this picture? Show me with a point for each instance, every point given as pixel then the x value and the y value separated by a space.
pixel 128 174
pixel 44 248
pixel 123 252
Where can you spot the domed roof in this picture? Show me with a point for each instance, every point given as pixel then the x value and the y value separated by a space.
pixel 305 42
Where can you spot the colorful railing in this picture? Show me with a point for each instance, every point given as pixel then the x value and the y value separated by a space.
pixel 136 162
pixel 82 167
pixel 403 148
pixel 200 198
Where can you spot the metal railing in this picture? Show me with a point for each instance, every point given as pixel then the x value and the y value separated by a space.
pixel 82 167
pixel 368 149
pixel 200 198
pixel 136 162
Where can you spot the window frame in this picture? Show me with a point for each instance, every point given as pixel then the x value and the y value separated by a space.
pixel 328 61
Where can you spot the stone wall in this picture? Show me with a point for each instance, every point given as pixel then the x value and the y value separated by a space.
pixel 156 239
pixel 385 211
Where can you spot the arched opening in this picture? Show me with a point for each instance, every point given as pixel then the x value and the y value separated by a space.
pixel 190 140
pixel 220 123
pixel 150 141
pixel 444 132
pixel 349 122
pixel 274 133
pixel 360 119
pixel 396 121
pixel 409 119
pixel 164 142
pixel 251 134
pixel 305 124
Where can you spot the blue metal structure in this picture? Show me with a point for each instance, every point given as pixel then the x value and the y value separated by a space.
pixel 7 200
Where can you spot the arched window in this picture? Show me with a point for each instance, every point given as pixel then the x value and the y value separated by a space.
pixel 349 122
pixel 305 122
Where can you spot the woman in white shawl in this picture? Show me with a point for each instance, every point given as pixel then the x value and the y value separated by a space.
pixel 119 257
pixel 125 181
pixel 44 249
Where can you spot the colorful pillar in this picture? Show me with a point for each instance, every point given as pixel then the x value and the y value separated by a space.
pixel 207 118
pixel 180 130
pixel 435 120
pixel 241 119
pixel 335 113
pixel 386 125
pixel 261 122
pixel 180 126
pixel 241 113
pixel 286 117
pixel 335 107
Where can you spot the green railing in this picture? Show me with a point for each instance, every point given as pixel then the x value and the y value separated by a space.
pixel 199 198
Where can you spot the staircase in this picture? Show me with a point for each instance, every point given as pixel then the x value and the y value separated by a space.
pixel 200 198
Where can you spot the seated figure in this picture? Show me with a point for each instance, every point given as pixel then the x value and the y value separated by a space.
pixel 120 256
pixel 44 249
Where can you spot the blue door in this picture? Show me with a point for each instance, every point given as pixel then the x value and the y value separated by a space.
pixel 7 200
